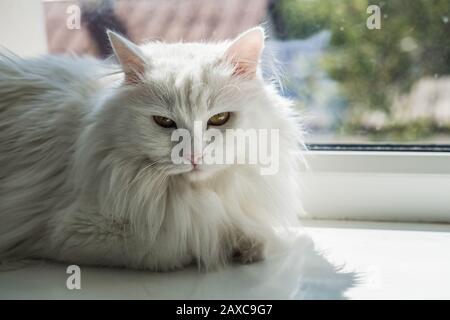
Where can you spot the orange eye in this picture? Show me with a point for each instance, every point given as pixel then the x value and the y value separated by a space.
pixel 219 119
pixel 165 122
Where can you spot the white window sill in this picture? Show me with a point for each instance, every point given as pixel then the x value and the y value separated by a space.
pixel 399 260
pixel 391 260
pixel 377 186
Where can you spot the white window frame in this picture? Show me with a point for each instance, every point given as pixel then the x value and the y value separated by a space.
pixel 377 186
pixel 22 27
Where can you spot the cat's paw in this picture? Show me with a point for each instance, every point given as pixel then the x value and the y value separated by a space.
pixel 249 251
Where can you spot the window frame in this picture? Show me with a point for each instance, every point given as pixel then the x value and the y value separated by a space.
pixel 27 20
pixel 407 186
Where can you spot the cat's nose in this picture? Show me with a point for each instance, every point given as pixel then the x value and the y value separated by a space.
pixel 194 158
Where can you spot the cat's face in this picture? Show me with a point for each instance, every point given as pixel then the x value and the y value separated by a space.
pixel 176 96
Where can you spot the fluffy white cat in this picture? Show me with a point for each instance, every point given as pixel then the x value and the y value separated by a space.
pixel 86 175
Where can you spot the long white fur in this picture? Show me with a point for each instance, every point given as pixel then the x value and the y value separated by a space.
pixel 86 177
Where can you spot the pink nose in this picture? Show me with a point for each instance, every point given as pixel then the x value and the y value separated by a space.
pixel 194 158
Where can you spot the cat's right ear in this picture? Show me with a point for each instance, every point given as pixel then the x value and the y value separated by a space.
pixel 129 56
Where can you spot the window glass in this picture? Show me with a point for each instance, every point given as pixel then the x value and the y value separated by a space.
pixel 358 70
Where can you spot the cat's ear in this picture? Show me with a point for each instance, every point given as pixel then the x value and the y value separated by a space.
pixel 129 56
pixel 245 52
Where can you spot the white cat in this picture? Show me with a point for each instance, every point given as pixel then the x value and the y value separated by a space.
pixel 86 175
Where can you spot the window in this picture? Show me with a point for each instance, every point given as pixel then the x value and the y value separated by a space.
pixel 368 71
pixel 371 79
pixel 360 71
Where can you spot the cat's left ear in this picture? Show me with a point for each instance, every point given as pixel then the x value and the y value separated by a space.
pixel 129 56
pixel 245 52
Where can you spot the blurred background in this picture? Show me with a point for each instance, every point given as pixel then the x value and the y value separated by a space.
pixel 352 83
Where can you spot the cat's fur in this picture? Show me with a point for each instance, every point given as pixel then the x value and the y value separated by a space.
pixel 86 176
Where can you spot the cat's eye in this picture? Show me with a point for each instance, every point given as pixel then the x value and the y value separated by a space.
pixel 219 119
pixel 165 122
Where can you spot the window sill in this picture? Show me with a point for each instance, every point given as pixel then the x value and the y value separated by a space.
pixel 377 186
pixel 396 260
pixel 356 260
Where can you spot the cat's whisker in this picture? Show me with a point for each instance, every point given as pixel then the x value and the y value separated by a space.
pixel 140 174
pixel 125 190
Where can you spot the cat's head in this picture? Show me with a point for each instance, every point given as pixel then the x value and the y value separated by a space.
pixel 180 86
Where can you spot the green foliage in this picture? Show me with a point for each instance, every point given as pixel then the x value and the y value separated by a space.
pixel 412 131
pixel 374 65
